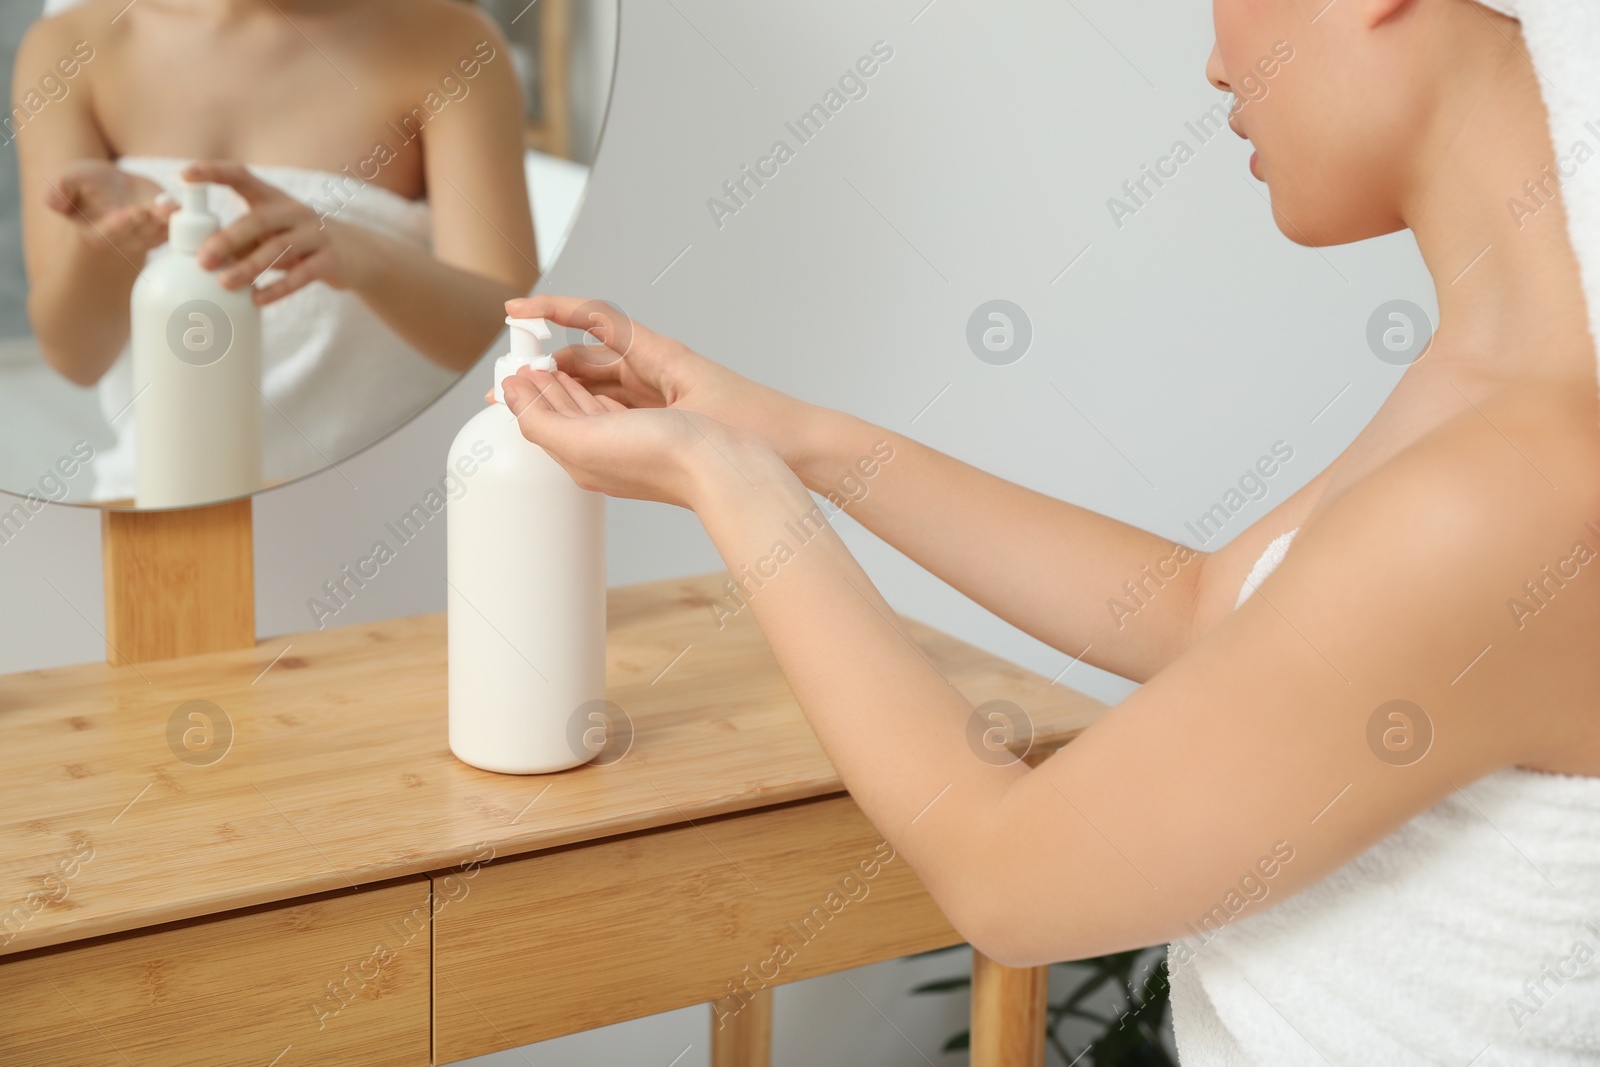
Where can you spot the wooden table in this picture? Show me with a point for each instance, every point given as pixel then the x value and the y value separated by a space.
pixel 330 886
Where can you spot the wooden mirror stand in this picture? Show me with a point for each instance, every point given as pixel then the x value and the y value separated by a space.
pixel 179 582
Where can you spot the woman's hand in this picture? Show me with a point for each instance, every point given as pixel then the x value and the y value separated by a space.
pixel 639 368
pixel 662 454
pixel 278 232
pixel 109 206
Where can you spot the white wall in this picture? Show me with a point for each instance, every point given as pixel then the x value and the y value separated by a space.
pixel 978 166
pixel 594 52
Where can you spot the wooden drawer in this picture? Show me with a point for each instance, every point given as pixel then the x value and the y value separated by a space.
pixel 337 979
pixel 563 941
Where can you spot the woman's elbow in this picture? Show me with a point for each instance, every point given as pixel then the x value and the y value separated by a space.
pixel 66 359
pixel 1008 939
pixel 992 920
pixel 81 376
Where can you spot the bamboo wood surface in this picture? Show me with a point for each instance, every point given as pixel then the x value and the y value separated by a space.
pixel 338 772
pixel 178 582
pixel 719 912
pixel 301 983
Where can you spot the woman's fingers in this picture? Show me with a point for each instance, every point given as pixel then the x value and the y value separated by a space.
pixel 276 250
pixel 617 391
pixel 586 401
pixel 132 227
pixel 589 363
pixel 148 226
pixel 61 196
pixel 555 391
pixel 561 393
pixel 600 320
pixel 523 394
pixel 247 232
pixel 297 275
pixel 236 175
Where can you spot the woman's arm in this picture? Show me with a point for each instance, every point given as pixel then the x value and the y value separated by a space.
pixel 449 306
pixel 1266 756
pixel 447 312
pixel 1052 569
pixel 86 226
pixel 1045 566
pixel 1261 761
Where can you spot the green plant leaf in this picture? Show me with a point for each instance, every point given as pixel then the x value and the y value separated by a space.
pixel 943 985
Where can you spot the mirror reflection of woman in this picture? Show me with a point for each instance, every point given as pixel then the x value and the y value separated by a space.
pixel 382 215
pixel 1359 793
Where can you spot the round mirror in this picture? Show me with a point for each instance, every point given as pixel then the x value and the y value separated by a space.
pixel 241 240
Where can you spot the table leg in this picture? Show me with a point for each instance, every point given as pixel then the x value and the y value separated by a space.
pixel 1008 1014
pixel 744 1039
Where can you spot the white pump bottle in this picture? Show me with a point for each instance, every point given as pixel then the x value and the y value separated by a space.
pixel 525 557
pixel 196 351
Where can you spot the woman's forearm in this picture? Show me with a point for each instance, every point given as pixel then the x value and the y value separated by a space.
pixel 866 687
pixel 448 314
pixel 78 307
pixel 1071 577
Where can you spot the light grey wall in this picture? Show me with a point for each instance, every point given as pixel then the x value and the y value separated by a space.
pixel 15 18
pixel 594 53
pixel 978 166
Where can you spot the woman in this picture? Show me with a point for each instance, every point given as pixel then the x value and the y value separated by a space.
pixel 376 149
pixel 1346 879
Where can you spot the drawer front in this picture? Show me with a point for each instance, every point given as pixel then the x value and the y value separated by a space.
pixel 333 980
pixel 533 948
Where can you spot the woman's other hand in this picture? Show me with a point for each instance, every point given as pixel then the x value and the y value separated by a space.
pixel 277 232
pixel 112 207
pixel 639 368
pixel 659 453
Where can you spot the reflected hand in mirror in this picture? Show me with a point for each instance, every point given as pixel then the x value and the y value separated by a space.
pixel 125 211
pixel 377 205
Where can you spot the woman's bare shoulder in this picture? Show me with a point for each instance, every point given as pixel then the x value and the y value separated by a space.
pixel 424 28
pixel 407 48
pixel 90 22
pixel 1514 468
pixel 1533 441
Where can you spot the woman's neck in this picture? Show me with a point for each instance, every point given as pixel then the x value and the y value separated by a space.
pixel 1487 214
pixel 1511 308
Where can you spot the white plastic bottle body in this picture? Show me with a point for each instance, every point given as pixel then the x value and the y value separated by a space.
pixel 196 351
pixel 525 556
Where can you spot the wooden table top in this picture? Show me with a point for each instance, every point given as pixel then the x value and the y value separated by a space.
pixel 339 773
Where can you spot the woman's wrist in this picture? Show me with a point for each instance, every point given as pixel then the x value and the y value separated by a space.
pixel 354 250
pixel 829 445
pixel 94 247
pixel 737 467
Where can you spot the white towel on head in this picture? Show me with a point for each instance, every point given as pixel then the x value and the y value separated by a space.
pixel 1563 38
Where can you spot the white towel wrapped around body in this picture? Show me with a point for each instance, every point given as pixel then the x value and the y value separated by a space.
pixel 1468 937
